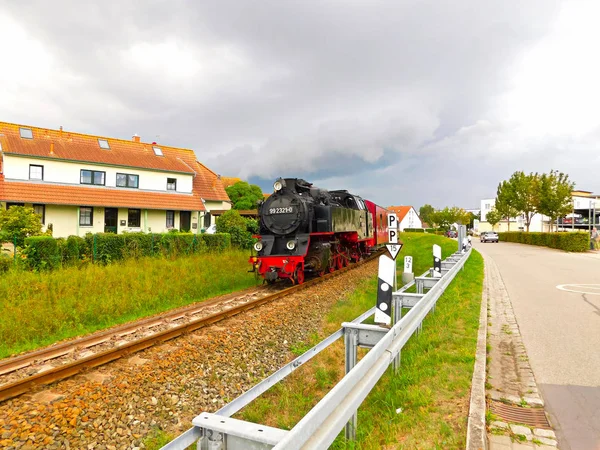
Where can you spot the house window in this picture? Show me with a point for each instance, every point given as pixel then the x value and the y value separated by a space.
pixel 26 133
pixel 86 216
pixel 40 210
pixel 158 151
pixel 36 172
pixel 127 180
pixel 170 219
pixel 171 184
pixel 134 218
pixel 92 177
pixel 103 143
pixel 206 219
pixel 10 205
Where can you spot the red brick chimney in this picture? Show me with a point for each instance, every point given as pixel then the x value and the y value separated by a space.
pixel 136 138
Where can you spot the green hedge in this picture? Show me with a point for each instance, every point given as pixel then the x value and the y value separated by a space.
pixel 42 252
pixel 45 252
pixel 567 241
pixel 414 230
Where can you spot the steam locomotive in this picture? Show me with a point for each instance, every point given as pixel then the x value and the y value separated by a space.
pixel 306 230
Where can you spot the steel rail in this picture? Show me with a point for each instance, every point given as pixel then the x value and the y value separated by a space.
pixel 19 387
pixel 9 365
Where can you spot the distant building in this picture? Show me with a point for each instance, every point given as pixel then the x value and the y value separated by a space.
pixel 81 183
pixel 585 213
pixel 407 217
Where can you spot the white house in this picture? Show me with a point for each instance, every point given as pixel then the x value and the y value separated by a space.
pixel 82 183
pixel 407 217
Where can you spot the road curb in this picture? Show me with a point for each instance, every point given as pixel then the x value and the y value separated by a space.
pixel 476 427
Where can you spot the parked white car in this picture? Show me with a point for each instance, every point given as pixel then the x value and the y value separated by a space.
pixel 489 236
pixel 212 229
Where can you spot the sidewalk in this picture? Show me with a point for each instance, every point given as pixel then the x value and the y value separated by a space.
pixel 515 409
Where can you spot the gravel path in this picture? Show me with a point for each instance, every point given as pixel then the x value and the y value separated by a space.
pixel 116 406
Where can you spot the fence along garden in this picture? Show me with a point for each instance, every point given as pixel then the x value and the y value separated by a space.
pixel 320 427
pixel 46 252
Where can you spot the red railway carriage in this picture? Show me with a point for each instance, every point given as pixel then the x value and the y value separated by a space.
pixel 380 217
pixel 307 230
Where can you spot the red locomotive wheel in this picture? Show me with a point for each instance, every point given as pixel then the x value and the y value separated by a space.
pixel 299 276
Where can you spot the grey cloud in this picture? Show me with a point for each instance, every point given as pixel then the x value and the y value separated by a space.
pixel 322 89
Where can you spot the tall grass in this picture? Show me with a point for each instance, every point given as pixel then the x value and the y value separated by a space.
pixel 40 308
pixel 433 385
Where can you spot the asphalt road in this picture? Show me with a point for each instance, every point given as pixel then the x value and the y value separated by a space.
pixel 560 330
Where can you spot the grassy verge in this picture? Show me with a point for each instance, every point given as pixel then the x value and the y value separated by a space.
pixel 41 308
pixel 433 386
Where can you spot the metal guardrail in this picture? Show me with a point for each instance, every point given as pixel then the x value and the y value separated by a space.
pixel 321 425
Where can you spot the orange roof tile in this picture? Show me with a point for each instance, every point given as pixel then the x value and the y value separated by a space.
pixel 401 211
pixel 57 144
pixel 54 194
pixel 229 181
pixel 208 184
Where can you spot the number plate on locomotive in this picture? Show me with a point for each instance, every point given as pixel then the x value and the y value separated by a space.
pixel 284 210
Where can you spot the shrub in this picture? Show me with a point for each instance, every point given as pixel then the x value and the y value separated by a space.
pixel 47 252
pixel 237 226
pixel 217 241
pixel 105 247
pixel 17 223
pixel 414 230
pixel 6 262
pixel 75 249
pixel 567 241
pixel 42 252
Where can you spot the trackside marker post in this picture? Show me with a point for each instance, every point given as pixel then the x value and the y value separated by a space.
pixel 437 261
pixel 407 275
pixel 386 283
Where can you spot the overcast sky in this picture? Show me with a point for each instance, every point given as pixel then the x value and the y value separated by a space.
pixel 403 102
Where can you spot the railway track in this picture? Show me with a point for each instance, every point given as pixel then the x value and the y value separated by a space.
pixel 23 373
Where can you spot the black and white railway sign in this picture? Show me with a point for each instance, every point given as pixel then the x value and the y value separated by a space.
pixel 437 261
pixel 386 283
pixel 392 228
pixel 394 249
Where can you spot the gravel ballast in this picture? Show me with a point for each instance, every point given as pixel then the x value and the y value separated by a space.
pixel 164 387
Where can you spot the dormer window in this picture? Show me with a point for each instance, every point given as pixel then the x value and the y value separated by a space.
pixel 26 133
pixel 158 151
pixel 103 143
pixel 171 184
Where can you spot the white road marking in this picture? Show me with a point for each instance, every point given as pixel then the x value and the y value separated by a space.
pixel 590 289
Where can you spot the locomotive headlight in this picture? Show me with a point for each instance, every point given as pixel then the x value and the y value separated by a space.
pixel 277 186
pixel 258 246
pixel 291 245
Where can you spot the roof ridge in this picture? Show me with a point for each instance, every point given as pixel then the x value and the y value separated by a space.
pixel 211 171
pixel 92 135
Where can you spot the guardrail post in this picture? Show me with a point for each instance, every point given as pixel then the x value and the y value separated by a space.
pixel 397 317
pixel 351 344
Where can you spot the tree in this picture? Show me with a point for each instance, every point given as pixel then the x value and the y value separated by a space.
pixel 19 222
pixel 446 217
pixel 425 213
pixel 505 202
pixel 244 195
pixel 493 217
pixel 525 194
pixel 555 195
